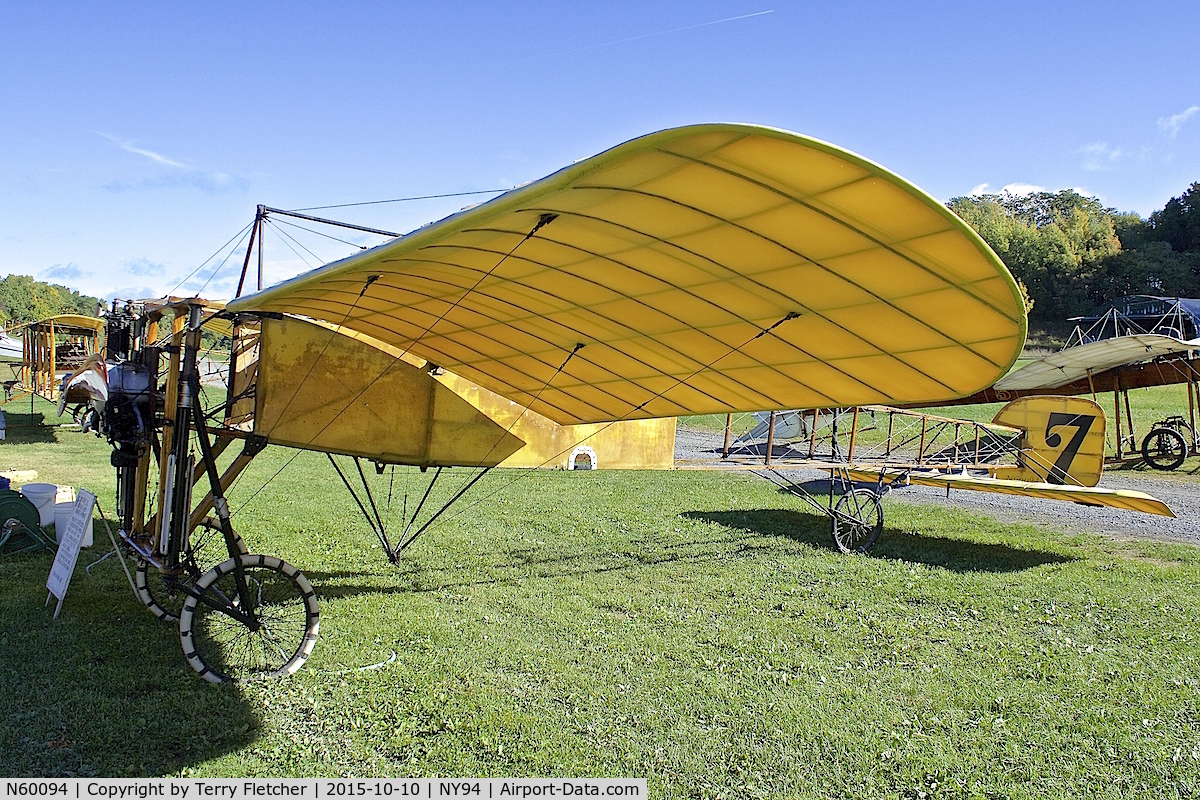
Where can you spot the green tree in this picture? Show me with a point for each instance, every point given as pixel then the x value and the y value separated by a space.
pixel 1053 243
pixel 1159 256
pixel 24 299
pixel 1178 223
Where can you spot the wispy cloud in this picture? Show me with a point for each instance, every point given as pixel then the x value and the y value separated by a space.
pixel 211 182
pixel 180 174
pixel 145 268
pixel 1098 156
pixel 64 272
pixel 129 147
pixel 133 293
pixel 1171 125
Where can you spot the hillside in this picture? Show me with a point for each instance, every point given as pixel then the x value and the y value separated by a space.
pixel 24 299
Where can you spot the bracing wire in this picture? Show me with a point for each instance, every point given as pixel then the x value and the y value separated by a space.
pixel 240 237
pixel 266 483
pixel 224 261
pixel 678 382
pixel 406 539
pixel 319 233
pixel 391 485
pixel 420 505
pixel 370 497
pixel 404 199
pixel 543 220
pixel 499 439
pixel 380 533
pixel 210 258
pixel 328 342
pixel 286 236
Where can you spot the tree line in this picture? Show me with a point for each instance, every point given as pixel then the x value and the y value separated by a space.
pixel 1071 254
pixel 24 299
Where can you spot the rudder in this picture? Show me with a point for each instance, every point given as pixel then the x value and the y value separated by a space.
pixel 1063 441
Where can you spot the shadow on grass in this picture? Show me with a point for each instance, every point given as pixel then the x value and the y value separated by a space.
pixel 514 565
pixel 103 690
pixel 959 555
pixel 26 428
pixel 743 537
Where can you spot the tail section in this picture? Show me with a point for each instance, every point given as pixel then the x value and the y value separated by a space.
pixel 1063 442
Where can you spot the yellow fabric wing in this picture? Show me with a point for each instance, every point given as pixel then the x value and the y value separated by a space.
pixel 64 323
pixel 695 270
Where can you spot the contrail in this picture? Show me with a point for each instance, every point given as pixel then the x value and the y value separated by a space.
pixel 643 36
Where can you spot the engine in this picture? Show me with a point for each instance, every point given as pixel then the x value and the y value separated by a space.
pixel 129 412
pixel 129 420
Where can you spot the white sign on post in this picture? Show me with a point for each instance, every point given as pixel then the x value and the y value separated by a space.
pixel 68 548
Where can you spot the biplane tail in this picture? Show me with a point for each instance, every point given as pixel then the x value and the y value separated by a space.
pixel 1063 441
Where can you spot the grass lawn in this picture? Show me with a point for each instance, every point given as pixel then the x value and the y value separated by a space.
pixel 697 629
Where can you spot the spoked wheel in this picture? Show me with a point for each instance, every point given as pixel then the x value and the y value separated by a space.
pixel 226 639
pixel 164 594
pixel 857 521
pixel 1164 448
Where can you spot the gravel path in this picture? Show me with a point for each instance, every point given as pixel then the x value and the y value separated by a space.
pixel 1181 496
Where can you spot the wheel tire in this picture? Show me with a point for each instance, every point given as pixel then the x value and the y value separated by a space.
pixel 221 648
pixel 1164 448
pixel 165 598
pixel 857 521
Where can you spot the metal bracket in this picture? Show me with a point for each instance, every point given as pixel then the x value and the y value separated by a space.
pixel 254 445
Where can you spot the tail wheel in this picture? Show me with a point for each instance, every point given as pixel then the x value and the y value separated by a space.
pixel 164 594
pixel 226 639
pixel 857 521
pixel 1164 448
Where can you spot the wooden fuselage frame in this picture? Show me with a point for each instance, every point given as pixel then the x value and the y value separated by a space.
pixel 40 353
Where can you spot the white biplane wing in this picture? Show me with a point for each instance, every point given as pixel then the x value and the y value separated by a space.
pixel 1076 363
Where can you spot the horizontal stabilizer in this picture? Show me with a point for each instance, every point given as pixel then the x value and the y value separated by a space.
pixel 1126 499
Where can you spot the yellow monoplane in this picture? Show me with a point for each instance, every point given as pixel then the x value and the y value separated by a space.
pixel 698 270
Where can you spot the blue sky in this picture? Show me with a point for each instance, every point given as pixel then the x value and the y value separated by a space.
pixel 136 138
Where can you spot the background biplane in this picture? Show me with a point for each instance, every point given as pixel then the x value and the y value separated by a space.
pixel 705 269
pixel 51 349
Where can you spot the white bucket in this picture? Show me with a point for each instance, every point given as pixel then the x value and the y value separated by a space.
pixel 42 496
pixel 62 518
